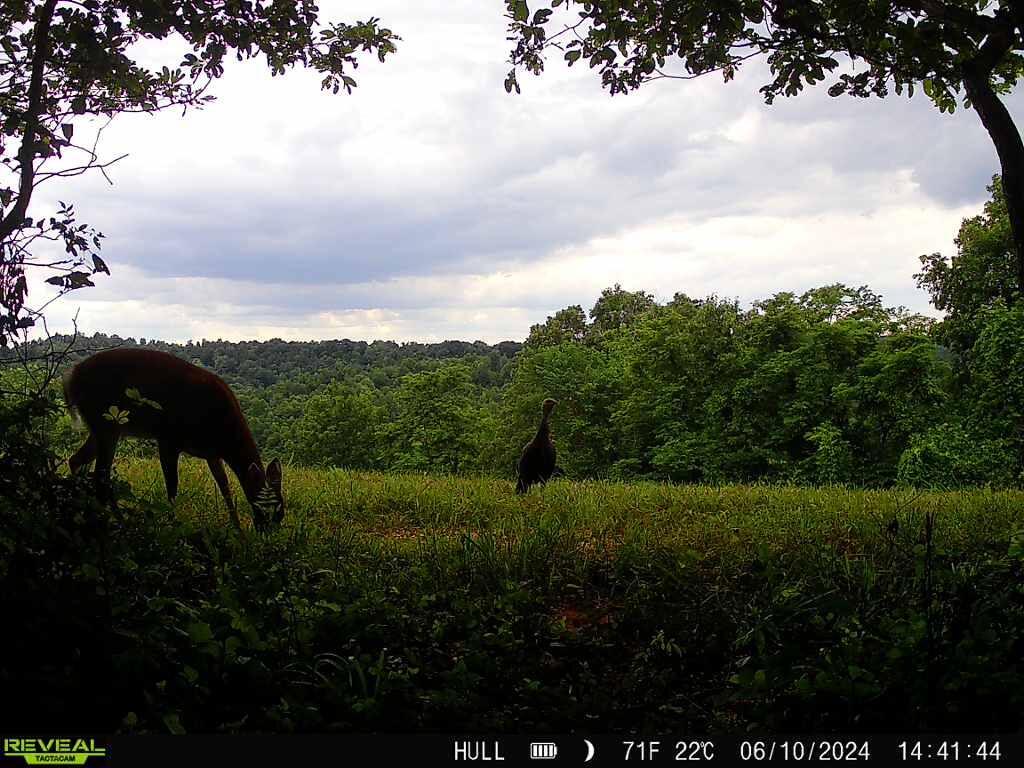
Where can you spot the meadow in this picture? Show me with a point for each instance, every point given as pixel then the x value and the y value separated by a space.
pixel 590 523
pixel 391 602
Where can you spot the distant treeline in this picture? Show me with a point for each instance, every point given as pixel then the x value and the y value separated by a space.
pixel 264 363
pixel 829 386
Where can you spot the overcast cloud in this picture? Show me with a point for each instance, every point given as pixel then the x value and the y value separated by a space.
pixel 432 205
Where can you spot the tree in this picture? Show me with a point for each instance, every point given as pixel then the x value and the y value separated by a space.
pixel 64 61
pixel 339 427
pixel 677 365
pixel 569 324
pixel 616 308
pixel 439 421
pixel 954 49
pixel 981 272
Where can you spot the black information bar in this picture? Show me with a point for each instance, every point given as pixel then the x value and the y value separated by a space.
pixel 557 750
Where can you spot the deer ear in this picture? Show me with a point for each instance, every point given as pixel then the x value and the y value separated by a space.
pixel 255 476
pixel 274 474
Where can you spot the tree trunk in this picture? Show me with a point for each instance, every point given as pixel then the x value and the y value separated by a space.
pixel 1006 138
pixel 27 154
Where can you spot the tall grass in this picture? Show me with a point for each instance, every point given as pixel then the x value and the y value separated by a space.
pixel 599 519
pixel 390 601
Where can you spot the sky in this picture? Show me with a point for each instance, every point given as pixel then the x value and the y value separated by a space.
pixel 431 205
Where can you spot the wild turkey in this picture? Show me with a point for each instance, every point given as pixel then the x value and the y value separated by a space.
pixel 537 462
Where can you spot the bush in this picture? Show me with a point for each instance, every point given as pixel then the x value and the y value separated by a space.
pixel 832 461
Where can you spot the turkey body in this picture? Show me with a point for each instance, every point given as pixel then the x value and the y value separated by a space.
pixel 537 462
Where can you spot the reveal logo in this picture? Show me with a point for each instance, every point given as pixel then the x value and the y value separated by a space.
pixel 54 751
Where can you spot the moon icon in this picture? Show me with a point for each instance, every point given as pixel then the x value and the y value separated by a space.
pixel 590 751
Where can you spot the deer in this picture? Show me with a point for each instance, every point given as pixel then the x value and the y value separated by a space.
pixel 186 409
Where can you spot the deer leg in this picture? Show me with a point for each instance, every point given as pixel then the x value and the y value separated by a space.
pixel 217 469
pixel 106 447
pixel 83 456
pixel 169 464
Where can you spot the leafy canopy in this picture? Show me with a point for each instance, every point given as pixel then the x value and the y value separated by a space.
pixel 904 43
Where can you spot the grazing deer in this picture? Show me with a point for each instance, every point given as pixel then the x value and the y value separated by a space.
pixel 186 409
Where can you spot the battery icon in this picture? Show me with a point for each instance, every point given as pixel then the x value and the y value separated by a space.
pixel 543 750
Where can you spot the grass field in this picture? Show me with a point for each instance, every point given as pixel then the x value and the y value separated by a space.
pixel 579 524
pixel 416 603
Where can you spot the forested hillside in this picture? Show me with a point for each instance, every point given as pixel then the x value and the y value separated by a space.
pixel 826 386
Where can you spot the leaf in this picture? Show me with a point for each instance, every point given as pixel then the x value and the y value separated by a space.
pixel 79 280
pixel 68 130
pixel 56 280
pixel 520 10
pixel 116 415
pixel 173 723
pixel 200 632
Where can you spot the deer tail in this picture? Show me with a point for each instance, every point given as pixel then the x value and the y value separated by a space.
pixel 69 399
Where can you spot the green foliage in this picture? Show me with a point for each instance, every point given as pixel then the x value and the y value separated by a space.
pixel 826 387
pixel 949 456
pixel 569 324
pixel 901 388
pixel 584 380
pixel 995 392
pixel 981 272
pixel 439 423
pixel 930 45
pixel 298 367
pixel 617 309
pixel 832 462
pixel 340 426
pixel 679 362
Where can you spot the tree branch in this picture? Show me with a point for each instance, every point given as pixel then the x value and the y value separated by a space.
pixel 999 41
